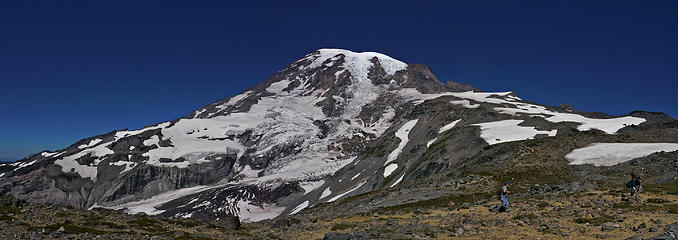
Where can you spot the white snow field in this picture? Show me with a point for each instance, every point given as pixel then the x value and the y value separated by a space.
pixel 69 163
pixel 465 103
pixel 148 205
pixel 347 192
pixel 398 181
pixel 254 212
pixel 609 126
pixel 428 144
pixel 325 193
pixel 91 143
pixel 507 131
pixel 608 154
pixel 448 126
pixel 300 207
pixel 402 133
pixel 513 105
pixel 388 170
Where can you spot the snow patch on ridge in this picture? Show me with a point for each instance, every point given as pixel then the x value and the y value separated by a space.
pixel 128 165
pixel 91 143
pixel 310 186
pixel 388 170
pixel 507 131
pixel 448 126
pixel 325 193
pixel 428 144
pixel 608 154
pixel 277 87
pixel 398 181
pixel 300 207
pixel 69 163
pixel 256 212
pixel 347 192
pixel 465 103
pixel 513 105
pixel 148 205
pixel 402 133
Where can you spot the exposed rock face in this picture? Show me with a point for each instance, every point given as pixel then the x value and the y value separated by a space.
pixel 331 125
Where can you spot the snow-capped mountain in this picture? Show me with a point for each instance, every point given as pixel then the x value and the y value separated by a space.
pixel 333 124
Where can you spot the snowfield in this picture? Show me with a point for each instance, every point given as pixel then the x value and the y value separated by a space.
pixel 403 134
pixel 608 154
pixel 388 170
pixel 69 163
pixel 300 207
pixel 347 192
pixel 507 131
pixel 448 126
pixel 514 106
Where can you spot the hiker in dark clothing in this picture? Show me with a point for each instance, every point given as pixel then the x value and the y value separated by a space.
pixel 503 196
pixel 634 186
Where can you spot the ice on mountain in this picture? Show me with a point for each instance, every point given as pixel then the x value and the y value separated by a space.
pixel 128 165
pixel 151 141
pixel 91 143
pixel 300 207
pixel 54 154
pixel 448 126
pixel 513 106
pixel 608 154
pixel 277 87
pixel 253 213
pixel 609 126
pixel 232 101
pixel 69 163
pixel 311 185
pixel 507 131
pixel 325 193
pixel 121 134
pixel 148 205
pixel 465 103
pixel 388 170
pixel 398 181
pixel 402 134
pixel 24 164
pixel 428 144
pixel 347 192
pixel 359 63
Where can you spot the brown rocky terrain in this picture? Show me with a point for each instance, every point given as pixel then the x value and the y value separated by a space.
pixel 591 214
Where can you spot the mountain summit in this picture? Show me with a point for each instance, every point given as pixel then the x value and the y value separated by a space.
pixel 332 124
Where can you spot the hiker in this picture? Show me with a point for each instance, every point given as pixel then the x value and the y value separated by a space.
pixel 634 186
pixel 503 197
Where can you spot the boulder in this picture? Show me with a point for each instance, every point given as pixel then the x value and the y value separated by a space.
pixel 228 223
pixel 608 226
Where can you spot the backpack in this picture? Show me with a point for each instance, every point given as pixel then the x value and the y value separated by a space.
pixel 500 192
pixel 630 184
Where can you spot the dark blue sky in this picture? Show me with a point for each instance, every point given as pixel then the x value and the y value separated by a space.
pixel 81 68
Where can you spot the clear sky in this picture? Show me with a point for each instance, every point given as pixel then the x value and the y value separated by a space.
pixel 74 69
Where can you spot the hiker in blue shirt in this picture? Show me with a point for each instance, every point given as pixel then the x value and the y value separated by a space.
pixel 634 186
pixel 503 196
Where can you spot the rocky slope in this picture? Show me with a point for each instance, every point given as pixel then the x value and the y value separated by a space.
pixel 332 125
pixel 550 213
